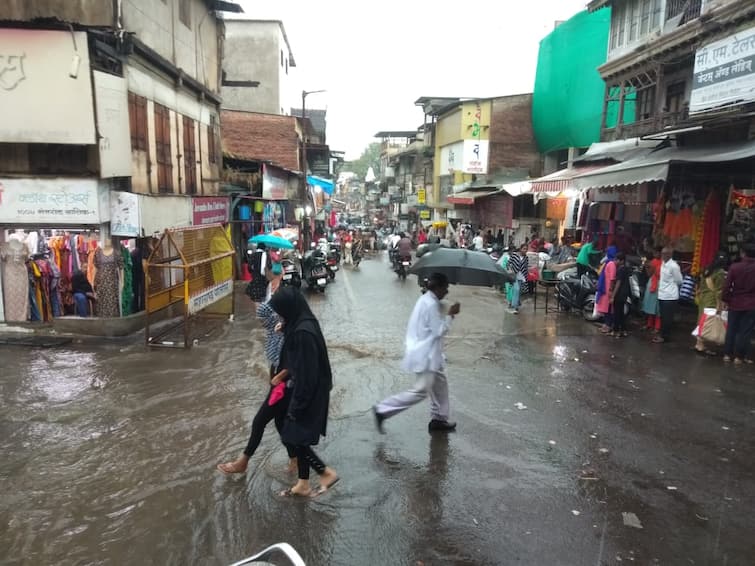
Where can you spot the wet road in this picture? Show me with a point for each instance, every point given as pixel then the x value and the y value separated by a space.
pixel 108 451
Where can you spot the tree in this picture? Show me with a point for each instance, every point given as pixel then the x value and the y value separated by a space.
pixel 370 158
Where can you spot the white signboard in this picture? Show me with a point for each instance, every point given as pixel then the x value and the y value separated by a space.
pixel 210 295
pixel 475 157
pixel 111 98
pixel 451 158
pixel 724 72
pixel 53 202
pixel 45 87
pixel 124 214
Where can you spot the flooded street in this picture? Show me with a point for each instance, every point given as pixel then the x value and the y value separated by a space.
pixel 572 448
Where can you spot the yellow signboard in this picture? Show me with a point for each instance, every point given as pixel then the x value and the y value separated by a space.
pixel 424 214
pixel 421 196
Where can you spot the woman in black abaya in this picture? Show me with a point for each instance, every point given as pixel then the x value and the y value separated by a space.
pixel 306 357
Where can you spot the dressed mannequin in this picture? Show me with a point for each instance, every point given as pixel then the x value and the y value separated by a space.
pixel 108 274
pixel 14 254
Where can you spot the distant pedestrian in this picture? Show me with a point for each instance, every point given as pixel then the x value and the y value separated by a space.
pixel 739 295
pixel 275 404
pixel 519 265
pixel 668 293
pixel 603 292
pixel 478 243
pixel 584 258
pixel 258 286
pixel 653 266
pixel 619 294
pixel 709 293
pixel 305 355
pixel 424 358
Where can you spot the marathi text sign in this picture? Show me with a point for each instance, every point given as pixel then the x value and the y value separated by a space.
pixel 724 72
pixel 53 201
pixel 124 214
pixel 210 295
pixel 209 210
pixel 475 157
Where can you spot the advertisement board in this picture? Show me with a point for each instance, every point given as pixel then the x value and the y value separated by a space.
pixel 475 157
pixel 451 158
pixel 111 100
pixel 124 214
pixel 724 72
pixel 209 210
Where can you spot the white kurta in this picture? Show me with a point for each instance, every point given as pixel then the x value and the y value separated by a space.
pixel 424 336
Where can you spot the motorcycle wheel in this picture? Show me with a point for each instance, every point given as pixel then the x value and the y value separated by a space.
pixel 296 282
pixel 587 309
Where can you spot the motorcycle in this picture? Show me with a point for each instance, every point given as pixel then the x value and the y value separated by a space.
pixel 403 263
pixel 291 273
pixel 315 269
pixel 578 293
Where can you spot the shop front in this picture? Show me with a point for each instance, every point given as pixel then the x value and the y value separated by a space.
pixel 49 230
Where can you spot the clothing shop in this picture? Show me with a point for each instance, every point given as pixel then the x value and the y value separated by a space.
pixel 50 234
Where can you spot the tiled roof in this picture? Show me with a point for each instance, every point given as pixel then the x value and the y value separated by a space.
pixel 263 137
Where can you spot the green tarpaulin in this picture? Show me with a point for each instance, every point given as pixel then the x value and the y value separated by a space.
pixel 567 103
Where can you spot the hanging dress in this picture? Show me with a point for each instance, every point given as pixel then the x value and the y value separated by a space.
pixel 127 295
pixel 13 256
pixel 106 283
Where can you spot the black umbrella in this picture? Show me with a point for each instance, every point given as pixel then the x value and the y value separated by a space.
pixel 462 267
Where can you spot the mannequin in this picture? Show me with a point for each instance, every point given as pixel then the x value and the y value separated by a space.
pixel 13 255
pixel 107 276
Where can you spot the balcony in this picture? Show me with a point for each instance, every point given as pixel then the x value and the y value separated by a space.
pixel 654 125
pixel 685 10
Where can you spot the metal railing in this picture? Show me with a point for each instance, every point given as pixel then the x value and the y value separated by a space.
pixel 688 9
pixel 652 125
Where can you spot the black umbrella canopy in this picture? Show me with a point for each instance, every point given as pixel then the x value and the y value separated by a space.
pixel 462 267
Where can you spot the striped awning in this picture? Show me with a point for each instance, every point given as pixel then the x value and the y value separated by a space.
pixel 560 181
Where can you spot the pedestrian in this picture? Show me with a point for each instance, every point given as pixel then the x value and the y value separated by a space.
pixel 478 243
pixel 668 293
pixel 421 237
pixel 650 299
pixel 709 293
pixel 519 265
pixel 305 355
pixel 424 358
pixel 739 295
pixel 619 293
pixel 82 293
pixel 584 258
pixel 275 404
pixel 603 292
pixel 257 288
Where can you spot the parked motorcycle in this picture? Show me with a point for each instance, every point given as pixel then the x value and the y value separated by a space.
pixel 291 272
pixel 578 293
pixel 315 269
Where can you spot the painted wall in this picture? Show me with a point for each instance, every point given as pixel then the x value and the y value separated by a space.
pixel 253 53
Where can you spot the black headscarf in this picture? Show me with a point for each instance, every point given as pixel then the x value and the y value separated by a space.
pixel 293 308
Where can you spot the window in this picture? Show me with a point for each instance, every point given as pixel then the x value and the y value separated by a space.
pixel 190 157
pixel 184 12
pixel 632 21
pixel 645 103
pixel 137 119
pixel 162 146
pixel 212 143
pixel 675 97
pixel 633 13
pixel 645 17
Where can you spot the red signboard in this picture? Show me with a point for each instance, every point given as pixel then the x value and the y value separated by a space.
pixel 209 210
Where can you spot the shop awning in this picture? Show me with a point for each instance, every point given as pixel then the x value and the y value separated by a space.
pixel 655 166
pixel 516 189
pixel 324 184
pixel 560 181
pixel 468 197
pixel 618 150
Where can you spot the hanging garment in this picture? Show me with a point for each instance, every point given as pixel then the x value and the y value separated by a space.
pixel 92 248
pixel 137 279
pixel 13 256
pixel 106 283
pixel 55 300
pixel 127 295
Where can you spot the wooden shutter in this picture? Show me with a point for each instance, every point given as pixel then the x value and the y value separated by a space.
pixel 212 140
pixel 190 156
pixel 162 147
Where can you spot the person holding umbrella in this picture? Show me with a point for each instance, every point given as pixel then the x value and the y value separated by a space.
pixel 424 358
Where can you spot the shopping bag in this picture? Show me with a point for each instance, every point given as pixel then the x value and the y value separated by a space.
pixel 713 329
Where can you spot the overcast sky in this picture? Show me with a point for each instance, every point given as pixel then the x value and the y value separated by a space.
pixel 375 62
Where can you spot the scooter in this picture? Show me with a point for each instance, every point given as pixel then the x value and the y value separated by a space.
pixel 403 263
pixel 578 293
pixel 315 269
pixel 291 273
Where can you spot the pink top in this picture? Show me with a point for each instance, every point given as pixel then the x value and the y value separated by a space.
pixel 604 304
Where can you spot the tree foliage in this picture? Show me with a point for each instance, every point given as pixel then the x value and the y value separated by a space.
pixel 370 158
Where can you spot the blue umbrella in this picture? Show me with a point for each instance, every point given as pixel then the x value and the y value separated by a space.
pixel 272 241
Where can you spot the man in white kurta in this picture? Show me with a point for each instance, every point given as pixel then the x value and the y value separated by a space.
pixel 424 357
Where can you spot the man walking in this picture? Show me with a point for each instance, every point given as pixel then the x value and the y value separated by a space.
pixel 519 264
pixel 424 357
pixel 668 293
pixel 739 295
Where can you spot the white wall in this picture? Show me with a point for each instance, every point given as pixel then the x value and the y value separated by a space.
pixel 253 53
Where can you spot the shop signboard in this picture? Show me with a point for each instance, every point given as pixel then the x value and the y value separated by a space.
pixel 424 214
pixel 111 100
pixel 475 157
pixel 451 157
pixel 208 296
pixel 124 214
pixel 45 87
pixel 421 196
pixel 412 200
pixel 274 183
pixel 53 202
pixel 724 72
pixel 209 210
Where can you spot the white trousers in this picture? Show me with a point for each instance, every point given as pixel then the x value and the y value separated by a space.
pixel 432 383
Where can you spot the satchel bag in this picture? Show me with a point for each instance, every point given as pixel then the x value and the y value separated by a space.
pixel 713 329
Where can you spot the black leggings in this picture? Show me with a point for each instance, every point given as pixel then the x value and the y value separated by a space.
pixel 619 318
pixel 264 415
pixel 307 458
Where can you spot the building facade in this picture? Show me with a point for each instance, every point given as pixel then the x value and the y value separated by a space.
pixel 256 67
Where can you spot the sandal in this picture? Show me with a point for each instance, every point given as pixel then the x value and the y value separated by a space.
pixel 658 340
pixel 290 493
pixel 727 359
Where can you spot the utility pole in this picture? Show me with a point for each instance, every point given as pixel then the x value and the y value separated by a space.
pixel 305 231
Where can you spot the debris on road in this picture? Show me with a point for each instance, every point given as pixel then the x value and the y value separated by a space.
pixel 604 450
pixel 631 520
pixel 671 488
pixel 521 406
pixel 701 517
pixel 475 521
pixel 552 442
pixel 575 512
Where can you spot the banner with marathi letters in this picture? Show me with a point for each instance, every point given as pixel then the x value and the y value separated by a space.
pixel 724 72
